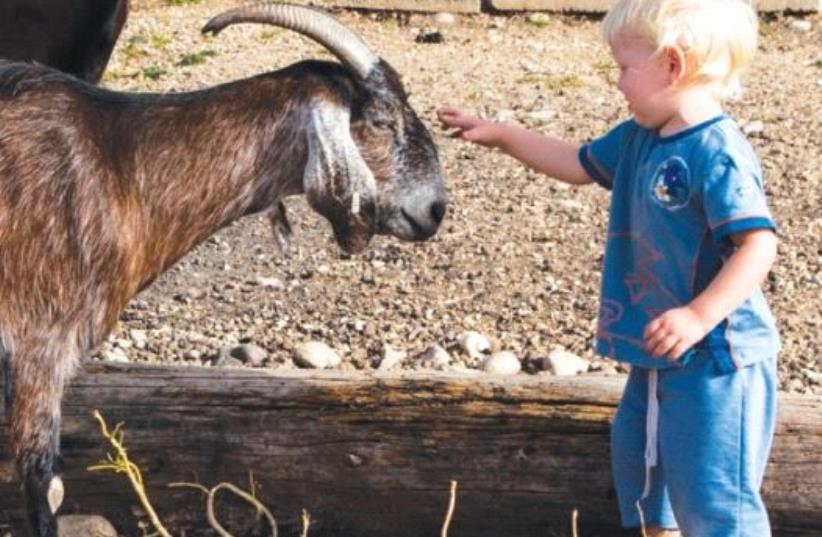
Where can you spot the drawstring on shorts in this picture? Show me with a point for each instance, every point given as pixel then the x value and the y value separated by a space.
pixel 651 439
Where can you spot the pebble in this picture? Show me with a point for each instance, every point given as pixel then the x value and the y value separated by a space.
pixel 506 115
pixel 564 363
pixel 192 355
pixel 753 127
pixel 502 363
pixel 226 360
pixel 434 357
pixel 538 19
pixel 445 19
pixel 800 25
pixel 115 355
pixel 433 37
pixel 497 23
pixel 390 358
pixel 138 337
pixel 121 343
pixel 249 354
pixel 542 116
pixel 84 526
pixel 528 66
pixel 814 377
pixel 270 283
pixel 316 355
pixel 474 343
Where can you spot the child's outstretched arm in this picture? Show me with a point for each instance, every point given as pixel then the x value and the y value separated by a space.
pixel 551 156
pixel 677 330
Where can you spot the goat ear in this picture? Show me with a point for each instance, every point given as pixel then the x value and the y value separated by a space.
pixel 336 176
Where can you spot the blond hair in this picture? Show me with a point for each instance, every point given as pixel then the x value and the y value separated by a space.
pixel 717 37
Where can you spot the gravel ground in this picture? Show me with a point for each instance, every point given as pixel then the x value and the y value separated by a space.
pixel 518 256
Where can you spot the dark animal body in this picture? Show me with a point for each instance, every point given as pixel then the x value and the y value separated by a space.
pixel 100 192
pixel 74 36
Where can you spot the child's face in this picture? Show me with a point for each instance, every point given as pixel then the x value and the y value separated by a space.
pixel 645 80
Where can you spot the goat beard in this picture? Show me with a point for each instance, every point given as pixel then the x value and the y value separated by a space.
pixel 352 231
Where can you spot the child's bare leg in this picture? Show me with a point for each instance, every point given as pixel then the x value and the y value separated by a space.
pixel 653 531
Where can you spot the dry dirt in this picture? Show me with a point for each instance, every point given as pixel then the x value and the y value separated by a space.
pixel 518 256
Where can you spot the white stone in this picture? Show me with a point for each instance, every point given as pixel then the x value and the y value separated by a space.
pixel 445 19
pixel 502 363
pixel 115 355
pixel 564 363
pixel 138 337
pixel 801 25
pixel 542 116
pixel 497 23
pixel 753 127
pixel 84 526
pixel 528 66
pixel 270 283
pixel 505 115
pixel 435 357
pixel 390 358
pixel 538 19
pixel 474 343
pixel 122 343
pixel 316 355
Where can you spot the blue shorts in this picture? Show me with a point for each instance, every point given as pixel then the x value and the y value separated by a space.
pixel 714 432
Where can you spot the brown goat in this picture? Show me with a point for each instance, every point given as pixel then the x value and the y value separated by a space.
pixel 74 36
pixel 100 192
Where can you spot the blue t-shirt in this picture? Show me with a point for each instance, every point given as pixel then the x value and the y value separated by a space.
pixel 675 201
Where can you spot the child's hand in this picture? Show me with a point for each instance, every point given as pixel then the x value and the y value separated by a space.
pixel 470 128
pixel 674 332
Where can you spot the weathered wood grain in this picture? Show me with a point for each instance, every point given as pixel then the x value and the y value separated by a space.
pixel 372 455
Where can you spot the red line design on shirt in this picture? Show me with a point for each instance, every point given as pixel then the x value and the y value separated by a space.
pixel 646 292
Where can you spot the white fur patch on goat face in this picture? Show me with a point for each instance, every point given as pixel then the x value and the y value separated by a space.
pixel 336 170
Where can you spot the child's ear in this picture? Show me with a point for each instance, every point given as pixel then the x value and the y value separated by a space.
pixel 677 63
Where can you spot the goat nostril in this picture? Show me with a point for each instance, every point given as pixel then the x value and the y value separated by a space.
pixel 438 211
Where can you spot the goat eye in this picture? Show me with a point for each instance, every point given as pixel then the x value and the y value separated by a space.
pixel 383 123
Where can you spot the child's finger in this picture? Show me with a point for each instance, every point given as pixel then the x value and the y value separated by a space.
pixel 678 350
pixel 448 114
pixel 664 345
pixel 650 328
pixel 655 332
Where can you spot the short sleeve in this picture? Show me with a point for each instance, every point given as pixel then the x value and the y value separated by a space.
pixel 734 197
pixel 600 158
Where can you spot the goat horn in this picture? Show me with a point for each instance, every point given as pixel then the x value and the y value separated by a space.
pixel 343 42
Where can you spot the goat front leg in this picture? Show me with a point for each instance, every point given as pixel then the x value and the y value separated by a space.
pixel 280 227
pixel 44 494
pixel 34 420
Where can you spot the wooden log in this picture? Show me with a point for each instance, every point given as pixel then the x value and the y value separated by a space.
pixel 372 455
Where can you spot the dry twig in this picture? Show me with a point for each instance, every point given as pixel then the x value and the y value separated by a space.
pixel 250 498
pixel 451 503
pixel 574 519
pixel 306 523
pixel 120 463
